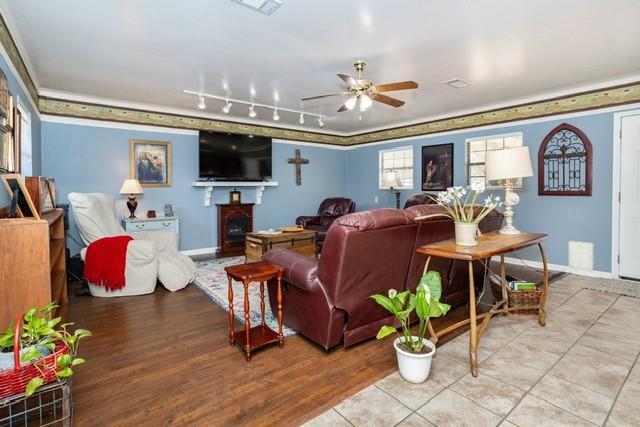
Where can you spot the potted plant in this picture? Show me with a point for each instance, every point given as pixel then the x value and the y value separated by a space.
pixel 460 205
pixel 46 349
pixel 414 352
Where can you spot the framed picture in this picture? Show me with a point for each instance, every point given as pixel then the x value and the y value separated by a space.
pixel 20 198
pixel 42 192
pixel 437 167
pixel 234 197
pixel 150 162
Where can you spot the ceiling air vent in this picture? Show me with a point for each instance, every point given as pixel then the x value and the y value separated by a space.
pixel 456 83
pixel 266 7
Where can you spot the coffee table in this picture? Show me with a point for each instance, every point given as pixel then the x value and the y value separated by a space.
pixel 489 245
pixel 302 242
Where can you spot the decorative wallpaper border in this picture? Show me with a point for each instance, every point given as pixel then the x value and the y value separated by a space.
pixel 14 55
pixel 601 98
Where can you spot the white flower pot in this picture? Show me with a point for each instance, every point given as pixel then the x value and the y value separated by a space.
pixel 414 367
pixel 466 233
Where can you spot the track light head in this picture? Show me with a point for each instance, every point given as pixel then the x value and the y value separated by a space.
pixel 201 104
pixel 301 119
pixel 227 107
pixel 252 111
pixel 276 116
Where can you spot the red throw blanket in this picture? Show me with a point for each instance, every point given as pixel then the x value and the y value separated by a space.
pixel 105 261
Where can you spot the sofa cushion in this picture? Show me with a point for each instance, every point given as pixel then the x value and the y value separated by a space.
pixel 374 220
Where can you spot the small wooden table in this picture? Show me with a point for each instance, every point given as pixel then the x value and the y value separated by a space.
pixel 489 245
pixel 303 242
pixel 254 337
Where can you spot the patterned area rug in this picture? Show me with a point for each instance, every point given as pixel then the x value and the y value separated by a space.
pixel 211 280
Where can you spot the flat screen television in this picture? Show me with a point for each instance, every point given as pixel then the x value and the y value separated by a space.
pixel 227 156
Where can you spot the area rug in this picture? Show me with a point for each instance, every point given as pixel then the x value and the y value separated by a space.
pixel 211 280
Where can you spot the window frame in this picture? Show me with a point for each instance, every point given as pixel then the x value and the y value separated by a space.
pixel 467 154
pixel 381 154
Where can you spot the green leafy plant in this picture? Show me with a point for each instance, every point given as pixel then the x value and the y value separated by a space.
pixel 38 339
pixel 425 302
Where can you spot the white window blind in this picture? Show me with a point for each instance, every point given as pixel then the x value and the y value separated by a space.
pixel 399 160
pixel 476 151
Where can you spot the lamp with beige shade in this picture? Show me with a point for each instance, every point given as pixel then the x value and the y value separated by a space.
pixel 508 165
pixel 131 187
pixel 392 180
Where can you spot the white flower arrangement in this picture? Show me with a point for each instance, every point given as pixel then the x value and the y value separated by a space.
pixel 460 203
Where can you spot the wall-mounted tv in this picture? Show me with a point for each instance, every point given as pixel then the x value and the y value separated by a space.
pixel 227 156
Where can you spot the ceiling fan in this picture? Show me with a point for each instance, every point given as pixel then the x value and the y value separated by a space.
pixel 365 91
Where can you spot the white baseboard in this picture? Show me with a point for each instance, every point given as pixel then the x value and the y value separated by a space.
pixel 559 267
pixel 200 251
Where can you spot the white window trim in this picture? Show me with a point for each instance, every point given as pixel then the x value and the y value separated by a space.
pixel 388 150
pixel 484 138
pixel 26 117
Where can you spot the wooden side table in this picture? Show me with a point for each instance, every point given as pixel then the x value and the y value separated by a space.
pixel 489 245
pixel 254 337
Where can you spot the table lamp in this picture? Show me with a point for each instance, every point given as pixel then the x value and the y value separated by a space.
pixel 392 179
pixel 508 164
pixel 131 187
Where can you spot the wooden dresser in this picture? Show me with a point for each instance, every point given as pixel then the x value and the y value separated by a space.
pixel 32 265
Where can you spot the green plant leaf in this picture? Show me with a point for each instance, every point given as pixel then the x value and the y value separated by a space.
pixel 29 315
pixel 422 305
pixel 64 361
pixel 64 373
pixel 385 302
pixel 385 331
pixel 53 322
pixel 33 385
pixel 83 333
pixel 49 307
pixel 434 282
pixel 32 353
pixel 77 361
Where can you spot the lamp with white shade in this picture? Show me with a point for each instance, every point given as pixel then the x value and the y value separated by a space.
pixel 392 180
pixel 507 165
pixel 131 187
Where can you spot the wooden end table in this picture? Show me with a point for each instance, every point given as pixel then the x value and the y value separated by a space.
pixel 489 245
pixel 254 337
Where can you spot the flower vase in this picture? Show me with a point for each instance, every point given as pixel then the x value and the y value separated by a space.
pixel 466 233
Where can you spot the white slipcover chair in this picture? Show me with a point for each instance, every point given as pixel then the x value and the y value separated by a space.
pixel 151 257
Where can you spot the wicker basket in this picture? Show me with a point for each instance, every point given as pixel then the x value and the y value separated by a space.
pixel 517 300
pixel 14 380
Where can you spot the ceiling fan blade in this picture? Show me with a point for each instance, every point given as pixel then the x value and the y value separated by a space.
pixel 350 81
pixel 388 87
pixel 387 100
pixel 342 108
pixel 308 98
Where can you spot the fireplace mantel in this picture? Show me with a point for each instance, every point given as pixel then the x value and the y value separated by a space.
pixel 208 186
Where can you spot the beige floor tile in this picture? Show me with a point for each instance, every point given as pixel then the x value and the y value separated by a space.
pixel 552 341
pixel 488 392
pixel 623 416
pixel 372 407
pixel 535 412
pixel 586 376
pixel 328 419
pixel 576 399
pixel 502 367
pixel 415 420
pixel 630 396
pixel 451 409
pixel 458 349
pixel 411 395
pixel 446 371
pixel 635 373
pixel 602 339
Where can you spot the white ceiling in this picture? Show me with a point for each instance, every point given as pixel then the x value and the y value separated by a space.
pixel 149 51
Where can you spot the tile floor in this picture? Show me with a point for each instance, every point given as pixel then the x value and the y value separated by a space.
pixel 581 369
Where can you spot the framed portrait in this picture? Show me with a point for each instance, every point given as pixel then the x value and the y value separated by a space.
pixel 21 203
pixel 234 197
pixel 437 167
pixel 150 162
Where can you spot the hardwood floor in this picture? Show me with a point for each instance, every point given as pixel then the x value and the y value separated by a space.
pixel 165 359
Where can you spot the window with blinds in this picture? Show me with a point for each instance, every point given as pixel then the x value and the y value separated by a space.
pixel 476 150
pixel 399 160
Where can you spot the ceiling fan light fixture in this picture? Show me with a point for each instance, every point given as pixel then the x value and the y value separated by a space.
pixel 227 107
pixel 320 121
pixel 301 119
pixel 365 102
pixel 351 102
pixel 252 111
pixel 276 116
pixel 201 103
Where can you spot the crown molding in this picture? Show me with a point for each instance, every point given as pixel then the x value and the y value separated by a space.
pixel 16 60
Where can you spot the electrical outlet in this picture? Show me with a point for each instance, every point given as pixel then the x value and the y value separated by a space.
pixel 375 199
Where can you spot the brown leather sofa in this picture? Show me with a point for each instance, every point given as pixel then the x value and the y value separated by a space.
pixel 419 199
pixel 330 209
pixel 327 299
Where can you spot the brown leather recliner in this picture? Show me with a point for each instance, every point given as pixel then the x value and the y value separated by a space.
pixel 327 299
pixel 419 199
pixel 330 209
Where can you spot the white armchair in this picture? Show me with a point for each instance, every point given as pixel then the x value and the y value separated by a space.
pixel 148 259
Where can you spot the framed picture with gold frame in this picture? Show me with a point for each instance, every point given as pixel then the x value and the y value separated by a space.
pixel 150 162
pixel 25 208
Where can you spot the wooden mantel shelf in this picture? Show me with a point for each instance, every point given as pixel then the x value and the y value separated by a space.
pixel 208 187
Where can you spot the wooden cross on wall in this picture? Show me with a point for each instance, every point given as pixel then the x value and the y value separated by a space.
pixel 298 161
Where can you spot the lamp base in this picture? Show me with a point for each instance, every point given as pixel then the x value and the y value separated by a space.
pixel 510 199
pixel 132 204
pixel 509 229
pixel 397 200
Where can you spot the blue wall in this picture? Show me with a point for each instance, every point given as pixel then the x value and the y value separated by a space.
pixel 87 158
pixel 563 218
pixel 16 90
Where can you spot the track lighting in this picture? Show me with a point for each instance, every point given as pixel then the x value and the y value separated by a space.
pixel 301 119
pixel 252 111
pixel 201 104
pixel 227 107
pixel 276 116
pixel 320 121
pixel 365 102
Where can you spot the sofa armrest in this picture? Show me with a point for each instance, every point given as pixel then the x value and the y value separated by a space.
pixel 308 220
pixel 299 270
pixel 142 250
